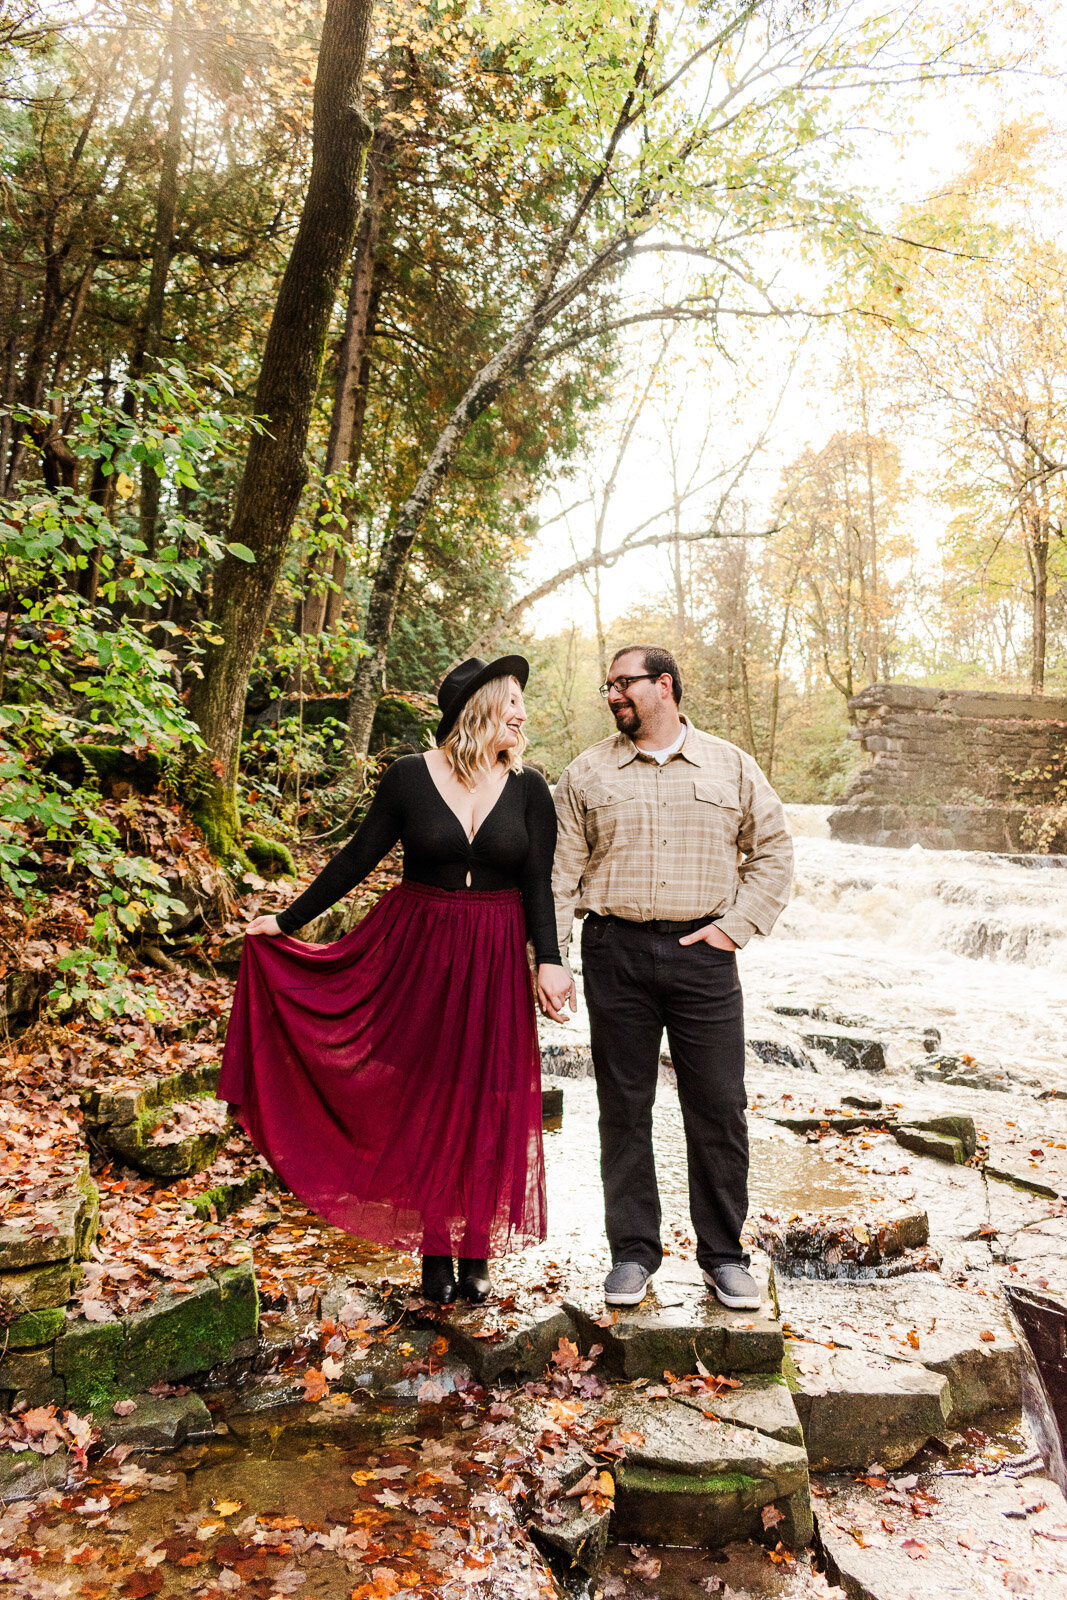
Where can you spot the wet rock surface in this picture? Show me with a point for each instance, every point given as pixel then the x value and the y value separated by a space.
pixel 963 1520
pixel 327 1418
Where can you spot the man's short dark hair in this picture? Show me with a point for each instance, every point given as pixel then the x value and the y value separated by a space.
pixel 657 661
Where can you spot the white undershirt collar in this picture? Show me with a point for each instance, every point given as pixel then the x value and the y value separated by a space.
pixel 660 756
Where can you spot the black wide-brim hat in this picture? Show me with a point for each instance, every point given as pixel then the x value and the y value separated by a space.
pixel 464 680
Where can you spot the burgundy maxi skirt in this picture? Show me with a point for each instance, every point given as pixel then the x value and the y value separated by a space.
pixel 393 1079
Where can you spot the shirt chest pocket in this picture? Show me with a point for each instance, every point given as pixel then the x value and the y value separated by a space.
pixel 717 814
pixel 612 813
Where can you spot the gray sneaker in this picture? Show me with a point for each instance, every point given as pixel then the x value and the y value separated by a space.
pixel 625 1284
pixel 735 1286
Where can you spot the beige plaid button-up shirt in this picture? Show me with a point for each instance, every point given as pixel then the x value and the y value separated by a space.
pixel 703 834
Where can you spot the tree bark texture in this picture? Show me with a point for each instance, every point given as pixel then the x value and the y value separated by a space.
pixel 353 372
pixel 150 326
pixel 275 469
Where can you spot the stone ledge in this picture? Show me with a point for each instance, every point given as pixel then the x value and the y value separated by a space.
pixel 171 1338
pixel 679 1322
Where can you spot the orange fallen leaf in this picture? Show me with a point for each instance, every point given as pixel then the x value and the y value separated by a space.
pixel 987 1335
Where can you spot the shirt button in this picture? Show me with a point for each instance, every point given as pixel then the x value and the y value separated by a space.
pixel 663 883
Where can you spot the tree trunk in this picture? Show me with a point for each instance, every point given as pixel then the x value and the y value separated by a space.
pixel 275 469
pixel 353 370
pixel 1037 555
pixel 7 390
pixel 150 325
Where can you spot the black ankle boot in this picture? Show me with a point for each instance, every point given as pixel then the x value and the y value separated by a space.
pixel 474 1284
pixel 438 1280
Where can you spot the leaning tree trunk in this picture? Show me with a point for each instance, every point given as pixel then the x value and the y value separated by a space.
pixel 275 469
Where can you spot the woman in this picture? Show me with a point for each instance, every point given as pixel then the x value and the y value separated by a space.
pixel 393 1079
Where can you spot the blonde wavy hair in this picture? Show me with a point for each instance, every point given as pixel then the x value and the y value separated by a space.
pixel 470 744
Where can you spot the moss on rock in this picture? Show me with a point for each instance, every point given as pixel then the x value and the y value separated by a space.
pixel 35 1328
pixel 89 1357
pixel 270 858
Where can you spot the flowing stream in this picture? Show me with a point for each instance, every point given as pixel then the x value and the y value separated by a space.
pixel 972 944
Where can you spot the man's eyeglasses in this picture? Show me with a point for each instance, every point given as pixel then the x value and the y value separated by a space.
pixel 620 685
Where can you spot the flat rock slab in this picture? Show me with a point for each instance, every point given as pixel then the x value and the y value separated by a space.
pixel 59 1230
pixel 491 1342
pixel 666 1436
pixel 979 1541
pixel 691 1480
pixel 762 1401
pixel 158 1422
pixel 578 1541
pixel 25 1474
pixel 965 1337
pixel 857 1409
pixel 679 1322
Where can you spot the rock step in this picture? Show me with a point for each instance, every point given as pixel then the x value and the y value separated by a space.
pixel 932 1356
pixel 61 1228
pixel 224 1198
pixel 90 1365
pixel 686 1478
pixel 138 1142
pixel 679 1322
pixel 120 1102
pixel 873 1244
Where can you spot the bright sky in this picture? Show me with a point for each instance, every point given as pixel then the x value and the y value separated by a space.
pixel 896 166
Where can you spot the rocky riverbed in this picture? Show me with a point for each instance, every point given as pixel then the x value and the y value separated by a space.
pixel 866 1428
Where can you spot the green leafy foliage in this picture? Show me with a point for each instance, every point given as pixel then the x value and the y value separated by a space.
pixel 90 660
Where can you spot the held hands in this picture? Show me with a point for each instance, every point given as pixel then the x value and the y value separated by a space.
pixel 267 925
pixel 555 988
pixel 711 934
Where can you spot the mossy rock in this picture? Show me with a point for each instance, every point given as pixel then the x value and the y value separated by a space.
pixel 404 719
pixel 133 1142
pixel 35 1288
pixel 270 858
pixel 90 1358
pixel 120 1105
pixel 229 1197
pixel 172 1337
pixel 35 1328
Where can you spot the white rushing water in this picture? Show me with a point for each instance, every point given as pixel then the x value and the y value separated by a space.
pixel 972 944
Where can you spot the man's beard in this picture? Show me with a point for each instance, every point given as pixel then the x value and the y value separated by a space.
pixel 627 721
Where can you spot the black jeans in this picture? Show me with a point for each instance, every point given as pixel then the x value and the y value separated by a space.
pixel 638 983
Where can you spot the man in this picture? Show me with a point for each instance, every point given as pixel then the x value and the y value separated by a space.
pixel 674 848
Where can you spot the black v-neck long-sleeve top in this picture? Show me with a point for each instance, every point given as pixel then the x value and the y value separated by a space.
pixel 512 848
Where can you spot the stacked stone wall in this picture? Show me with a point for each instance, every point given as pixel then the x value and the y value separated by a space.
pixel 964 770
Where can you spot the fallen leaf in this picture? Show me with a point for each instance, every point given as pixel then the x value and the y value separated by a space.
pixel 124 1408
pixel 139 1584
pixel 770 1516
pixel 915 1548
pixel 315 1385
pixel 988 1335
pixel 644 1566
